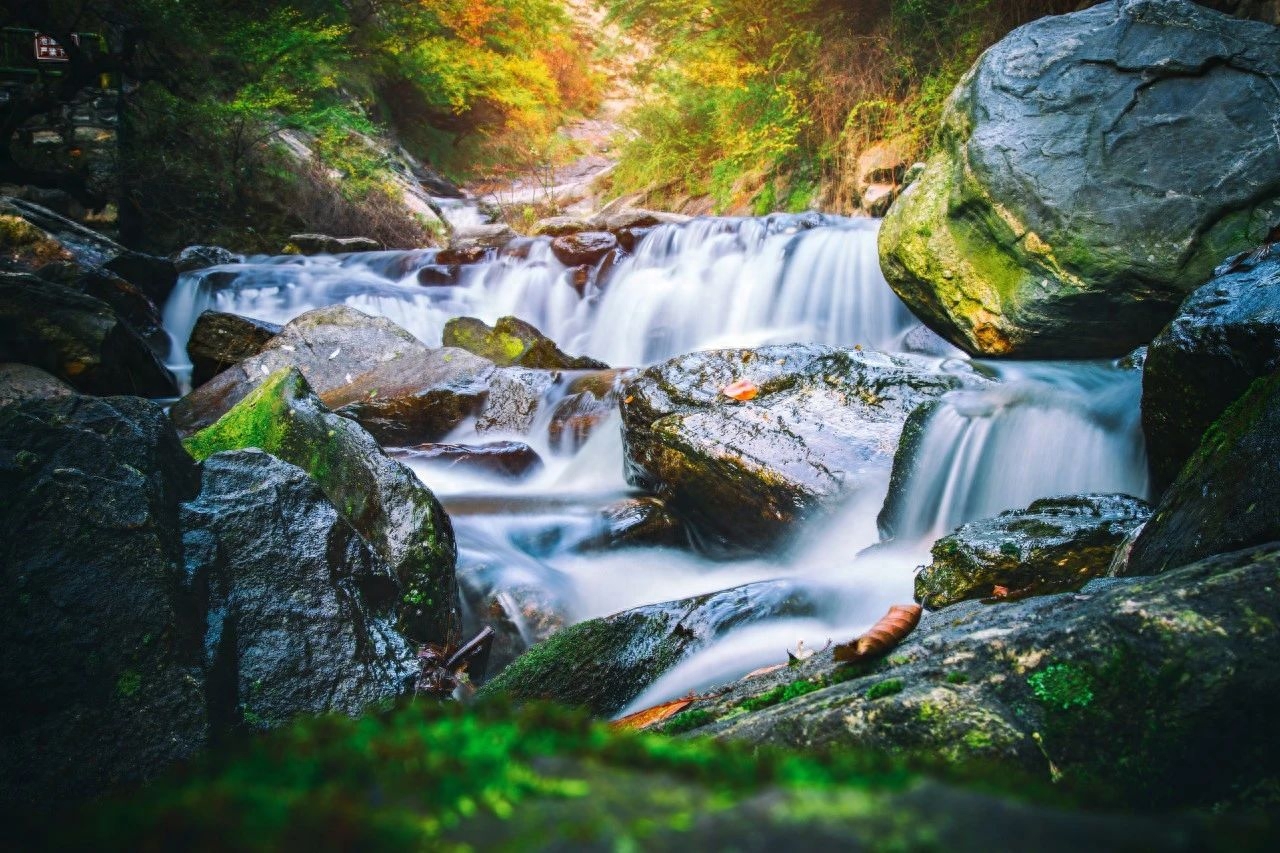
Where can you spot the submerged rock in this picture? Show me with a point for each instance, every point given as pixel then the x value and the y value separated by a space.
pixel 1081 188
pixel 575 418
pixel 299 610
pixel 1158 691
pixel 1056 544
pixel 602 664
pixel 398 516
pixel 823 423
pixel 99 655
pixel 220 340
pixel 1228 494
pixel 1226 335
pixel 512 342
pixel 637 523
pixel 511 459
pixel 77 338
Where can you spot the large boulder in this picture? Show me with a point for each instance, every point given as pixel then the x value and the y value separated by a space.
pixel 586 247
pixel 513 342
pixel 1226 335
pixel 220 340
pixel 20 382
pixel 398 516
pixel 602 664
pixel 1094 168
pixel 1053 545
pixel 77 338
pixel 823 423
pixel 1227 494
pixel 33 235
pixel 100 660
pixel 299 610
pixel 1156 691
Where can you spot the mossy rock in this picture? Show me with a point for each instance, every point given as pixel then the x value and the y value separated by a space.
pixel 1055 223
pixel 399 517
pixel 512 342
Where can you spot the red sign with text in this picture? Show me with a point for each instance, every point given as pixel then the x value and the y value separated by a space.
pixel 48 49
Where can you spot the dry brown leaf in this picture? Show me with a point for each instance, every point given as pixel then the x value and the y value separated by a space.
pixel 892 629
pixel 641 720
pixel 764 670
pixel 742 390
pixel 998 591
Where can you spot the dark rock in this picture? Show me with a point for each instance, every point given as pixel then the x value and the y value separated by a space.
pixel 602 664
pixel 586 248
pixel 1159 691
pixel 512 341
pixel 1054 545
pixel 418 397
pixel 1226 335
pixel 893 518
pixel 1227 494
pixel 20 382
pixel 741 474
pixel 398 516
pixel 331 346
pixel 220 340
pixel 129 302
pixel 504 458
pixel 34 235
pixel 575 418
pixel 323 244
pixel 455 256
pixel 637 523
pixel 78 339
pixel 525 603
pixel 439 275
pixel 629 238
pixel 1081 192
pixel 200 257
pixel 100 662
pixel 152 275
pixel 299 609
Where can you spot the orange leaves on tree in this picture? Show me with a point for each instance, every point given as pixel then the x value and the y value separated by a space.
pixel 742 390
pixel 641 720
pixel 892 629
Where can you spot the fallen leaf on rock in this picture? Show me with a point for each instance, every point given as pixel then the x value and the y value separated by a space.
pixel 742 390
pixel 892 629
pixel 764 670
pixel 641 720
pixel 334 354
pixel 998 591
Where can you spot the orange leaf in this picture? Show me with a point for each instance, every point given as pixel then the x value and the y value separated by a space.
pixel 742 390
pixel 998 591
pixel 892 629
pixel 641 720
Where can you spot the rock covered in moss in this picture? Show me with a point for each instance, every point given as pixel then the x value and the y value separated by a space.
pixel 512 342
pixel 1053 545
pixel 823 423
pixel 399 517
pixel 602 664
pixel 77 338
pixel 220 340
pixel 1228 494
pixel 1226 335
pixel 1154 692
pixel 1080 189
pixel 101 655
pixel 300 610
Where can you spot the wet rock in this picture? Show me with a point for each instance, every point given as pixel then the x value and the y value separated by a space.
pixel 457 255
pixel 398 516
pixel 575 418
pixel 629 238
pixel 1155 690
pixel 1081 191
pixel 299 610
pixel 417 397
pixel 512 341
pixel 201 257
pixel 585 248
pixel 32 236
pixel 515 394
pixel 100 662
pixel 77 338
pixel 524 603
pixel 323 244
pixel 331 346
pixel 925 341
pixel 559 226
pixel 637 523
pixel 1228 492
pixel 636 218
pixel 152 275
pixel 20 382
pixel 220 340
pixel 439 275
pixel 511 459
pixel 129 302
pixel 1054 545
pixel 824 423
pixel 1226 335
pixel 493 236
pixel 602 664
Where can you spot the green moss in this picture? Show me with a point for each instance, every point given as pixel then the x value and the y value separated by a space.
pixel 888 687
pixel 781 693
pixel 687 721
pixel 259 420
pixel 1063 685
pixel 957 678
pixel 128 684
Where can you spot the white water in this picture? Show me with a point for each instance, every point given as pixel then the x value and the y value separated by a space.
pixel 1041 430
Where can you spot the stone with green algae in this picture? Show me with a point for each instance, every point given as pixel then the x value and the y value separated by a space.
pixel 513 342
pixel 399 516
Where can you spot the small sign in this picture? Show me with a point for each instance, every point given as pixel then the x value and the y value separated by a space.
pixel 48 49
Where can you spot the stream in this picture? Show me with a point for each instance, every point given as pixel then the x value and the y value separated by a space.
pixel 1043 429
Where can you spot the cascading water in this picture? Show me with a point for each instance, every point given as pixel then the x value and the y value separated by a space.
pixel 1039 430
